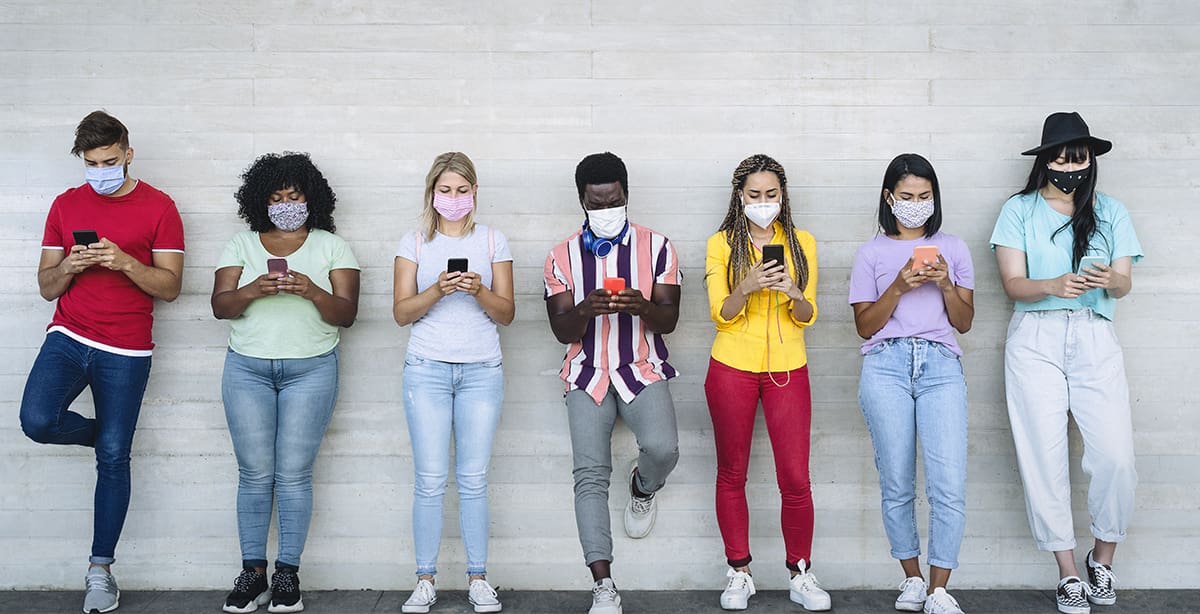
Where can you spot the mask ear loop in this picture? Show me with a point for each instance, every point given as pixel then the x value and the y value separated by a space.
pixel 779 331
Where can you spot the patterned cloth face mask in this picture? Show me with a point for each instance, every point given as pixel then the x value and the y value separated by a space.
pixel 912 213
pixel 288 216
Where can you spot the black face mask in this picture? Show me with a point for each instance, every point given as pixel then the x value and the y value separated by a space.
pixel 1068 181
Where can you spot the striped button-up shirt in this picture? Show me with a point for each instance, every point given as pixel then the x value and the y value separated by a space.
pixel 617 348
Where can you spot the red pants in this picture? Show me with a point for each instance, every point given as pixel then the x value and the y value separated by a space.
pixel 733 397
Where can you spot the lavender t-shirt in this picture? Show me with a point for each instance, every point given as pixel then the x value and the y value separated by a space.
pixel 921 312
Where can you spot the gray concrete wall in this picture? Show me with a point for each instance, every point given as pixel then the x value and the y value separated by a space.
pixel 683 91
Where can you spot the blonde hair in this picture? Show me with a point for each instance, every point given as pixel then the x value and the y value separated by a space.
pixel 453 162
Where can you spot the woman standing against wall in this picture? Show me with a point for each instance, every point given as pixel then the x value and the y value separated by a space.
pixel 453 283
pixel 287 285
pixel 1066 253
pixel 911 287
pixel 762 281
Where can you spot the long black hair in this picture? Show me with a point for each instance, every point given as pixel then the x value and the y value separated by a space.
pixel 1083 220
pixel 273 172
pixel 902 166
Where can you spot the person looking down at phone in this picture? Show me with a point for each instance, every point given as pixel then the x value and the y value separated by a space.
pixel 761 273
pixel 911 287
pixel 612 293
pixel 453 282
pixel 100 334
pixel 280 380
pixel 1062 355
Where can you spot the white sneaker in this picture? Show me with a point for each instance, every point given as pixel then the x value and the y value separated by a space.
pixel 605 599
pixel 483 596
pixel 912 594
pixel 639 512
pixel 940 602
pixel 806 591
pixel 421 598
pixel 1072 596
pixel 738 591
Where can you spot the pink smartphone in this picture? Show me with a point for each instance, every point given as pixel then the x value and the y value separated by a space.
pixel 277 265
pixel 921 253
pixel 614 284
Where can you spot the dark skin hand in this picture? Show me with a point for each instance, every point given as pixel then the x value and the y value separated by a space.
pixel 569 321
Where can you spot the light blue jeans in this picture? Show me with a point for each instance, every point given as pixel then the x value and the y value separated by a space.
pixel 914 388
pixel 277 412
pixel 442 399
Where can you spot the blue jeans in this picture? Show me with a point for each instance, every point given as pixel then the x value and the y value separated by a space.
pixel 913 388
pixel 277 410
pixel 64 367
pixel 441 398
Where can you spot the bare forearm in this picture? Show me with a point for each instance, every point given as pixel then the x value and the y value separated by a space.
pixel 802 310
pixel 232 303
pixel 1121 285
pixel 335 310
pixel 53 282
pixel 569 327
pixel 408 310
pixel 733 304
pixel 1026 290
pixel 872 319
pixel 959 311
pixel 660 319
pixel 499 308
pixel 157 282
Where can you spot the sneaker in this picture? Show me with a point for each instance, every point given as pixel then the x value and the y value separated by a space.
pixel 940 602
pixel 1101 580
pixel 1072 596
pixel 285 590
pixel 250 590
pixel 605 599
pixel 738 591
pixel 102 593
pixel 639 512
pixel 912 594
pixel 806 591
pixel 421 598
pixel 483 596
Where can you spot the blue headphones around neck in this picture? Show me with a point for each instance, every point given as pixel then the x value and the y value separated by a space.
pixel 602 247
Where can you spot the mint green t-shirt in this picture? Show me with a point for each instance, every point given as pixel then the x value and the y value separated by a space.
pixel 285 325
pixel 1027 222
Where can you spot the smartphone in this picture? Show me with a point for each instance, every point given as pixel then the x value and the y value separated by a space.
pixel 921 253
pixel 1086 263
pixel 772 252
pixel 456 265
pixel 85 237
pixel 277 265
pixel 614 284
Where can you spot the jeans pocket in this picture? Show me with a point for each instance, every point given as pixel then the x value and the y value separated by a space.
pixel 945 350
pixel 414 361
pixel 1015 324
pixel 492 364
pixel 876 349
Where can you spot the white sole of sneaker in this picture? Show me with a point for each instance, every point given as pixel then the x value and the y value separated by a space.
pixel 114 606
pixel 910 606
pixel 1070 609
pixel 261 599
pixel 737 604
pixel 287 609
pixel 811 605
pixel 486 607
pixel 1102 601
pixel 418 609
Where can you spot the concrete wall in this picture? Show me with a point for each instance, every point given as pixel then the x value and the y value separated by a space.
pixel 683 91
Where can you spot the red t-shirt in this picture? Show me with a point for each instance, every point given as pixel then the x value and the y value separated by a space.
pixel 101 305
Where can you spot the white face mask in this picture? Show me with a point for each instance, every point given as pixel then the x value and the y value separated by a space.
pixel 762 214
pixel 607 223
pixel 912 213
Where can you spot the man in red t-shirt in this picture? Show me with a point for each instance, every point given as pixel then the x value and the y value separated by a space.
pixel 111 246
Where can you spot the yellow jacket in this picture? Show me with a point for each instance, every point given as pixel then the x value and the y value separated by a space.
pixel 763 336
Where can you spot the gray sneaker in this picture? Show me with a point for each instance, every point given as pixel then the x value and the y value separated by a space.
pixel 102 592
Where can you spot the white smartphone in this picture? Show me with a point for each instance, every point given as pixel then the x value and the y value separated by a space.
pixel 1086 263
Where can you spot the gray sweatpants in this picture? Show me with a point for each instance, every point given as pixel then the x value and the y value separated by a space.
pixel 651 417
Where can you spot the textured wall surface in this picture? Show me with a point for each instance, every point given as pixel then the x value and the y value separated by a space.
pixel 683 91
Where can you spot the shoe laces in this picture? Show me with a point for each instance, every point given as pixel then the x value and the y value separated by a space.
pixel 738 580
pixel 424 592
pixel 808 581
pixel 912 581
pixel 942 602
pixel 246 580
pixel 480 589
pixel 1076 591
pixel 604 591
pixel 1102 576
pixel 102 582
pixel 642 505
pixel 285 581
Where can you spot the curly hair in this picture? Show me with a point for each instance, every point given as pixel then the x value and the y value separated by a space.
pixel 273 172
pixel 737 231
pixel 599 169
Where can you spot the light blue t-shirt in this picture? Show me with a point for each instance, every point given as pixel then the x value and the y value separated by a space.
pixel 456 328
pixel 1027 222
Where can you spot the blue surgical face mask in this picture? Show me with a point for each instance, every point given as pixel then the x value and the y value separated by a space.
pixel 105 179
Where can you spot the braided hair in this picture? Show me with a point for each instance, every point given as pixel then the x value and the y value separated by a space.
pixel 737 230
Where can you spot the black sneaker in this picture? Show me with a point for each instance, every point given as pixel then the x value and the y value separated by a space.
pixel 250 590
pixel 285 590
pixel 1101 579
pixel 1072 596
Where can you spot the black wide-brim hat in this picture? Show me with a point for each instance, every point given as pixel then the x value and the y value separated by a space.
pixel 1063 128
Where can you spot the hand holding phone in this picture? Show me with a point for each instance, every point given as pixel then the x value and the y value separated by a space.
pixel 1087 262
pixel 772 255
pixel 85 237
pixel 277 267
pixel 922 253
pixel 456 265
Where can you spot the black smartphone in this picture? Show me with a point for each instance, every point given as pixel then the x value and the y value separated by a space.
pixel 85 237
pixel 772 252
pixel 456 265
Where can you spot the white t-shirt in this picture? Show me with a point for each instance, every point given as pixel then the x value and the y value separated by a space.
pixel 456 328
